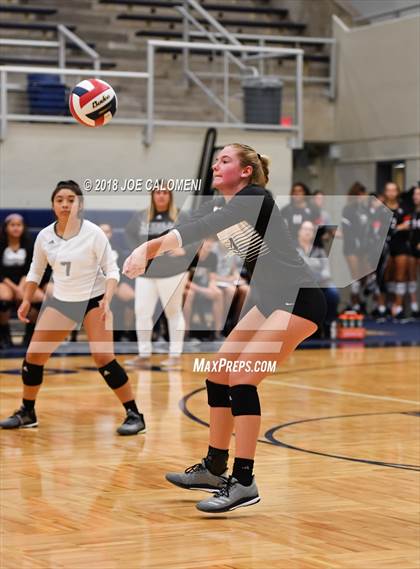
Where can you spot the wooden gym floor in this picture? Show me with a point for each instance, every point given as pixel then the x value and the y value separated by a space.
pixel 337 469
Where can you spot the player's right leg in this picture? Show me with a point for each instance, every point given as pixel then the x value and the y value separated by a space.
pixel 51 329
pixel 209 474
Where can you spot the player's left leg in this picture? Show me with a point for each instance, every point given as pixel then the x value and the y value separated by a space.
pixel 276 339
pixel 101 344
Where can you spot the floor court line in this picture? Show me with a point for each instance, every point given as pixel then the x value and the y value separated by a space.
pixel 341 392
pixel 269 381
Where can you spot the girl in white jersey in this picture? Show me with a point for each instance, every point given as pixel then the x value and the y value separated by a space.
pixel 85 276
pixel 289 307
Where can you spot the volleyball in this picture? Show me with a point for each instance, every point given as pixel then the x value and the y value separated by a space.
pixel 93 102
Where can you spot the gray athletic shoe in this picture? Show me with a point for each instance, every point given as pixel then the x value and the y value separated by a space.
pixel 21 419
pixel 197 477
pixel 132 425
pixel 233 495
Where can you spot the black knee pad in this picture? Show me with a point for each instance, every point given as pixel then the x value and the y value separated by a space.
pixel 217 394
pixel 245 400
pixel 5 305
pixel 32 374
pixel 114 374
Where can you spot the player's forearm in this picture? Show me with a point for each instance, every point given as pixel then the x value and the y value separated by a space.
pixel 29 290
pixel 160 245
pixel 110 288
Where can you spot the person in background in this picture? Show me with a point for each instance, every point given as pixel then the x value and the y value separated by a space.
pixel 414 260
pixel 326 230
pixel 317 260
pixel 16 250
pixel 203 285
pixel 355 228
pixel 123 299
pixel 299 209
pixel 399 249
pixel 165 279
pixel 233 286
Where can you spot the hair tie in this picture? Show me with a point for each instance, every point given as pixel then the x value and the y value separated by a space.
pixel 259 156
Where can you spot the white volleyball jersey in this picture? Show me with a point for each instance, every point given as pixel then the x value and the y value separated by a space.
pixel 80 265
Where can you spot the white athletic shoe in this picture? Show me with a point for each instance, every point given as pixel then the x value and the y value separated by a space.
pixel 138 361
pixel 173 362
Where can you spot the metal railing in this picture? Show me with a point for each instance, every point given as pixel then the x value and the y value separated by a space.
pixel 150 121
pixel 64 35
pixel 222 34
pixel 5 70
pixel 300 43
pixel 396 12
pixel 296 128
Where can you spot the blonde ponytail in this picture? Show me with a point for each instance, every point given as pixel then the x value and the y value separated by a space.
pixel 259 162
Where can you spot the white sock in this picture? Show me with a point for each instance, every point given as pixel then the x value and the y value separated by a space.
pixel 390 287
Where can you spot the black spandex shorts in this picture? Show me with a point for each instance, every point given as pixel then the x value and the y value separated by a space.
pixel 397 248
pixel 415 250
pixel 310 303
pixel 76 311
pixel 351 247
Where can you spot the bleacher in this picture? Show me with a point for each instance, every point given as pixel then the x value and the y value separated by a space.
pixel 235 25
pixel 81 62
pixel 220 8
pixel 119 30
pixel 27 10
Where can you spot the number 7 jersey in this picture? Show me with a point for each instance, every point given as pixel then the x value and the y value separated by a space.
pixel 80 265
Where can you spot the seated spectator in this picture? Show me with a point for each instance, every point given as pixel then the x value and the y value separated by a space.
pixel 203 285
pixel 318 263
pixel 123 300
pixel 326 229
pixel 16 249
pixel 234 287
